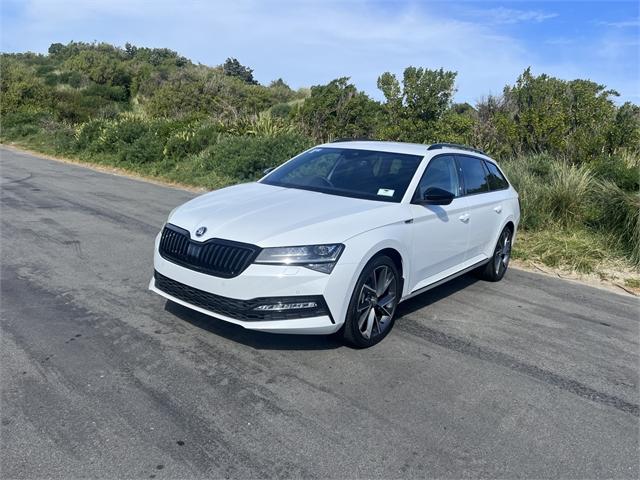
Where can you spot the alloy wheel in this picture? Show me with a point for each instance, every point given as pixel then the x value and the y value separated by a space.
pixel 376 302
pixel 503 252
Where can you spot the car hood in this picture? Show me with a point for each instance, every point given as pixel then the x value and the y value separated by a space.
pixel 267 215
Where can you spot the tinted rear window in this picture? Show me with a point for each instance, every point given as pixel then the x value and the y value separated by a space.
pixel 495 177
pixel 474 175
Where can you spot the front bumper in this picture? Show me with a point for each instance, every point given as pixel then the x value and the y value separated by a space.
pixel 234 299
pixel 253 310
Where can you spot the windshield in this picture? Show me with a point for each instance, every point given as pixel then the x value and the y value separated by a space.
pixel 382 176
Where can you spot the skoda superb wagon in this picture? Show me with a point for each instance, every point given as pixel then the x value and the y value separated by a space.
pixel 335 238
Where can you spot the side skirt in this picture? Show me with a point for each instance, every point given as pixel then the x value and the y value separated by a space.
pixel 445 280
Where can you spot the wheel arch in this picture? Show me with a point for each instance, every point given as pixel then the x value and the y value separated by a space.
pixel 510 225
pixel 396 256
pixel 509 222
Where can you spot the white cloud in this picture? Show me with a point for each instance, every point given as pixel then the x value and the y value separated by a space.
pixel 305 42
pixel 503 15
pixel 622 24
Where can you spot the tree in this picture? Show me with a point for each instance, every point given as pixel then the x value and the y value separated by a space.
pixel 280 91
pixel 21 90
pixel 56 49
pixel 560 117
pixel 234 68
pixel 414 108
pixel 625 130
pixel 339 110
pixel 130 50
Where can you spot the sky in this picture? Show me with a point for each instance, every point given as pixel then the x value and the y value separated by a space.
pixel 311 42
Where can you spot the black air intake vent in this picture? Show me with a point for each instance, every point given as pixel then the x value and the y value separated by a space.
pixel 241 309
pixel 221 258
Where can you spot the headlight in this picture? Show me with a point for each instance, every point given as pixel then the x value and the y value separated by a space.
pixel 321 258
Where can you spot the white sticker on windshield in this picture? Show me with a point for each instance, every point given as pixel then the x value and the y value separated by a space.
pixel 386 192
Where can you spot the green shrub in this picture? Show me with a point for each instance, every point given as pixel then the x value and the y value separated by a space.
pixel 126 131
pixel 75 107
pixel 88 135
pixel 75 79
pixel 115 93
pixel 281 110
pixel 245 157
pixel 63 140
pixel 145 149
pixel 621 169
pixel 22 123
pixel 51 79
pixel 192 139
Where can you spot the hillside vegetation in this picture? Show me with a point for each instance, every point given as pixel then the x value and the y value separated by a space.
pixel 571 152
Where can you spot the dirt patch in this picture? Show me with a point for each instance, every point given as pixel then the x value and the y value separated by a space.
pixel 614 279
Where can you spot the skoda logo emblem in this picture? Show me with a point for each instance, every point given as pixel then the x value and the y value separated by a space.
pixel 201 231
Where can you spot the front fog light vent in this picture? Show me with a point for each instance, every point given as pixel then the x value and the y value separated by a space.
pixel 280 307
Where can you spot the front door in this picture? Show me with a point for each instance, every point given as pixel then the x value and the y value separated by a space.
pixel 439 231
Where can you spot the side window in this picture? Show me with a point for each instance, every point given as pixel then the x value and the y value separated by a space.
pixel 495 177
pixel 440 173
pixel 474 175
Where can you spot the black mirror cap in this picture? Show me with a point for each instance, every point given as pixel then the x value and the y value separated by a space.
pixel 437 196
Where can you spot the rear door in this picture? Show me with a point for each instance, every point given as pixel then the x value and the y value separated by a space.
pixel 484 206
pixel 439 231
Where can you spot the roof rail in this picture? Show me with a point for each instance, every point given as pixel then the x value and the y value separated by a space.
pixel 437 146
pixel 358 139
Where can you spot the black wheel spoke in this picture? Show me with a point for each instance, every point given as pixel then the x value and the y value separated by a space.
pixel 376 302
pixel 502 253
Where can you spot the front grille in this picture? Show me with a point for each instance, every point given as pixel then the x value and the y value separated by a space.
pixel 240 309
pixel 221 258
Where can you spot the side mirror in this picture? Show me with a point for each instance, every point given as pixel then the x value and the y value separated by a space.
pixel 437 196
pixel 268 170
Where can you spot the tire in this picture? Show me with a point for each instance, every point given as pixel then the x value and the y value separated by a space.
pixel 497 266
pixel 373 303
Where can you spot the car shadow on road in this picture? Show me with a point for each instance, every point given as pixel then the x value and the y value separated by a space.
pixel 435 295
pixel 252 338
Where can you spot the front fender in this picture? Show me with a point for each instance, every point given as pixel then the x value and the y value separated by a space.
pixel 359 250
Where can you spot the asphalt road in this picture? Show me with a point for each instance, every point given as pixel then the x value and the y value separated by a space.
pixel 529 377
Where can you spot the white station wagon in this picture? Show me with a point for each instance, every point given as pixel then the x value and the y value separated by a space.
pixel 335 238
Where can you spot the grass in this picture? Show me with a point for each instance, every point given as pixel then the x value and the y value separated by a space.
pixel 632 282
pixel 576 249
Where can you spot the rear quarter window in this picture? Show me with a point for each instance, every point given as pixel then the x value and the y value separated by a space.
pixel 474 175
pixel 495 178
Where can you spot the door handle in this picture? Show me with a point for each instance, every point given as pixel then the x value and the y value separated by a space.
pixel 464 217
pixel 498 209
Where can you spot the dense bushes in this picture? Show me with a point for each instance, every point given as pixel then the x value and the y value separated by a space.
pixel 246 157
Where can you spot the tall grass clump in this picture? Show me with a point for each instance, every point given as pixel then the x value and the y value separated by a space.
pixel 618 212
pixel 551 190
pixel 566 195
